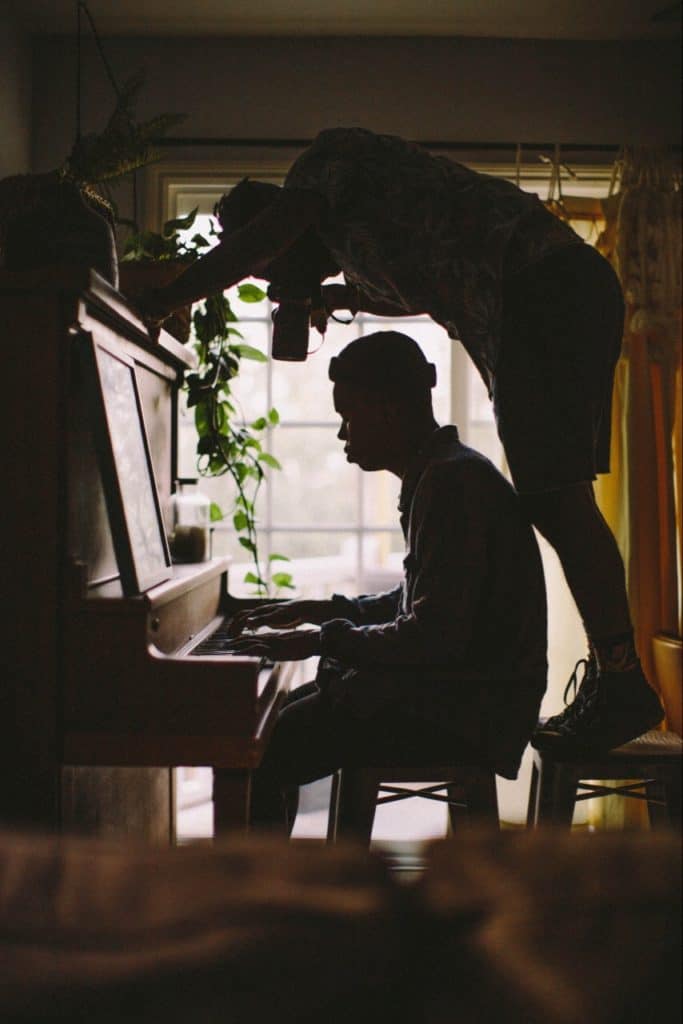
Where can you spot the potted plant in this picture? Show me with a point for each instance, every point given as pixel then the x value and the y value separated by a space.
pixel 67 215
pixel 151 260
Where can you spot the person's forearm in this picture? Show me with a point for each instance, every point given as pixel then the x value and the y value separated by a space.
pixel 368 609
pixel 317 611
pixel 212 273
pixel 405 641
pixel 245 252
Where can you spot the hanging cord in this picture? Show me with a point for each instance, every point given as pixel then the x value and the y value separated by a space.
pixel 617 172
pixel 518 165
pixel 555 198
pixel 556 177
pixel 82 7
pixel 78 71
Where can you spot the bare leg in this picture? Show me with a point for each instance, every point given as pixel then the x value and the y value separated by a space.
pixel 571 521
pixel 616 704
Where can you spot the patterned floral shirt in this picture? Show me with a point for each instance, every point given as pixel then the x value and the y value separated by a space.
pixel 425 233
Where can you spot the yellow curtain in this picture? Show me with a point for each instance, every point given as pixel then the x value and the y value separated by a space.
pixel 641 497
pixel 642 238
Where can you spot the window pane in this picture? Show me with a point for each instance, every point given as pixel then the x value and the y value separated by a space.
pixel 382 566
pixel 321 562
pixel 225 543
pixel 187 439
pixel 479 403
pixel 316 485
pixel 484 438
pixel 380 499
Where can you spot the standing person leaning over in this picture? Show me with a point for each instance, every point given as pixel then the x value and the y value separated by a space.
pixel 451 664
pixel 539 312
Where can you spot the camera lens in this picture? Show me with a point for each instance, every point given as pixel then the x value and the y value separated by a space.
pixel 290 332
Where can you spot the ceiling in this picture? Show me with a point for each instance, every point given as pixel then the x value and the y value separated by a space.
pixel 531 19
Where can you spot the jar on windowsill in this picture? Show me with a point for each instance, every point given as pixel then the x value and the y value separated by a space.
pixel 190 539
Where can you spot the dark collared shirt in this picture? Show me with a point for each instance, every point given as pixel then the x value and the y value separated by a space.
pixel 465 632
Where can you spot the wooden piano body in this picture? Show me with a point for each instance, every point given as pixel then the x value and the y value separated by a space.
pixel 99 698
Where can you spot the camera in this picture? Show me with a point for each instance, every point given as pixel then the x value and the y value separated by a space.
pixel 290 331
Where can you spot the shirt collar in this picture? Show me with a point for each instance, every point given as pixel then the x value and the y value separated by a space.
pixel 437 442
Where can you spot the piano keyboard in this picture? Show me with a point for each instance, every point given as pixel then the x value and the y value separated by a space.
pixel 216 641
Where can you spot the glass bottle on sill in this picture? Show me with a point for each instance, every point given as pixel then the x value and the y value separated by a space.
pixel 190 540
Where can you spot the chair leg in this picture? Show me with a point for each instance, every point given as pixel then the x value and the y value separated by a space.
pixel 556 795
pixel 357 796
pixel 458 816
pixel 657 808
pixel 482 799
pixel 672 790
pixel 479 797
pixel 545 771
pixel 334 807
pixel 532 807
pixel 564 797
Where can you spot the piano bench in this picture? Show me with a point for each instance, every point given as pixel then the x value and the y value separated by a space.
pixel 648 767
pixel 470 792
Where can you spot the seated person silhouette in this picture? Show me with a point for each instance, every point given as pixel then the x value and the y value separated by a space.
pixel 449 665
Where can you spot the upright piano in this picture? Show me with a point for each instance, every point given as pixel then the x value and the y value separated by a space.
pixel 103 693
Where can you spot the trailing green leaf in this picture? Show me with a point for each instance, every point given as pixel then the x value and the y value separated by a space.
pixel 283 579
pixel 269 460
pixel 250 293
pixel 249 352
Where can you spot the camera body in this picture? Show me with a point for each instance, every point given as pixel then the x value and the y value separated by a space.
pixel 290 331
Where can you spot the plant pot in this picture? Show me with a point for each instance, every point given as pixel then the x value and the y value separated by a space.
pixel 668 657
pixel 46 220
pixel 136 278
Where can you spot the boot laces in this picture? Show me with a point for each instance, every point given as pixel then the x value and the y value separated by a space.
pixel 573 682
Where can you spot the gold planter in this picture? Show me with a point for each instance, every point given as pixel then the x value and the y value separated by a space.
pixel 668 656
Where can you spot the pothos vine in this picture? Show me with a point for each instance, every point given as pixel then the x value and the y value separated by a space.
pixel 225 445
pixel 222 446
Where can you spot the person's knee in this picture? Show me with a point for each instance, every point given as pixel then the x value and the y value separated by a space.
pixel 303 740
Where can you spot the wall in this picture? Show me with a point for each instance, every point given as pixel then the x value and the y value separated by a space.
pixel 430 89
pixel 15 96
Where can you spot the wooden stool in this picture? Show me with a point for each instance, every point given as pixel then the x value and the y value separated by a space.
pixel 470 794
pixel 653 758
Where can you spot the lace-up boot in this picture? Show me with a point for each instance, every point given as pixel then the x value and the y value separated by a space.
pixel 621 706
pixel 582 682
